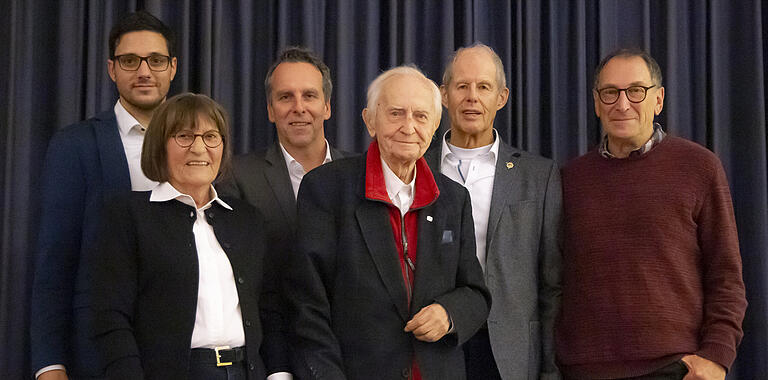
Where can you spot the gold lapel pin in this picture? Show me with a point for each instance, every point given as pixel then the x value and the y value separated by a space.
pixel 510 165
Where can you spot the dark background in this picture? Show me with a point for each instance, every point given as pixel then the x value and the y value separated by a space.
pixel 713 54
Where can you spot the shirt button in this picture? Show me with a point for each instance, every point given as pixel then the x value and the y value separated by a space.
pixel 406 373
pixel 240 280
pixel 251 367
pixel 247 323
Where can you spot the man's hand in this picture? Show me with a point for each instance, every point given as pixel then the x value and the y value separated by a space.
pixel 430 324
pixel 55 374
pixel 702 369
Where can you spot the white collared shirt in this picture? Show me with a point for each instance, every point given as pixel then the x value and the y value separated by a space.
pixel 475 169
pixel 132 135
pixel 296 170
pixel 218 319
pixel 400 193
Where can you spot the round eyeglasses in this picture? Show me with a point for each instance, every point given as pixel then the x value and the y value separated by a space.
pixel 185 139
pixel 635 94
pixel 132 62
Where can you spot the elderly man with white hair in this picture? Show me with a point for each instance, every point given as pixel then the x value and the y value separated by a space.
pixel 385 283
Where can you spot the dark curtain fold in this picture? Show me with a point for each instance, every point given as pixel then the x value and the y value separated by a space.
pixel 713 54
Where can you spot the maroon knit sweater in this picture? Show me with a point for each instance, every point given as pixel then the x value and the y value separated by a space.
pixel 651 263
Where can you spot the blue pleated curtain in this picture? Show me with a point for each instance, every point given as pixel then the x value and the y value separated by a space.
pixel 713 54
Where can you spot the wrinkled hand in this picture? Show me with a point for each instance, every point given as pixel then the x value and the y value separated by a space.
pixel 702 369
pixel 56 374
pixel 430 324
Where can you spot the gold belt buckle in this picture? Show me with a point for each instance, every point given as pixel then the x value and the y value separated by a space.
pixel 219 363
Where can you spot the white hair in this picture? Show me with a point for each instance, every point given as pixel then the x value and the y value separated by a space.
pixel 374 89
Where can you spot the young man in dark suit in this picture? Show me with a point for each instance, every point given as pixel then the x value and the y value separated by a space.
pixel 86 164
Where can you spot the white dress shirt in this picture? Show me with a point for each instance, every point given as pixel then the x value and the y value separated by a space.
pixel 218 320
pixel 132 134
pixel 475 169
pixel 296 170
pixel 400 193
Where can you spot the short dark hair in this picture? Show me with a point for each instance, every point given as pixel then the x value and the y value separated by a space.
pixel 137 21
pixel 175 114
pixel 300 54
pixel 653 67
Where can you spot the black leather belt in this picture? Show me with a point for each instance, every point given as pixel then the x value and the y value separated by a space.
pixel 221 356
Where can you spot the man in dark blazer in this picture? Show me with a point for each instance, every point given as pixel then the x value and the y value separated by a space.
pixel 516 205
pixel 384 282
pixel 87 163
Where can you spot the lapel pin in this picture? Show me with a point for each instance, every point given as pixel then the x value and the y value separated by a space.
pixel 429 218
pixel 510 164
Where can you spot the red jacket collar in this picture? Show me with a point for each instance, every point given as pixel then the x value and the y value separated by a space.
pixel 425 189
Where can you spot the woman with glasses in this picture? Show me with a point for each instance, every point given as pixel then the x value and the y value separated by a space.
pixel 177 279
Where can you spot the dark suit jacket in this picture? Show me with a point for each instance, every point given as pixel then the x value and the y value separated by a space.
pixel 85 164
pixel 145 289
pixel 261 178
pixel 522 261
pixel 346 288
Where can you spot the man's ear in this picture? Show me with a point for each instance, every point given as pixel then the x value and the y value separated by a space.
pixel 503 97
pixel 111 70
pixel 270 112
pixel 444 95
pixel 369 123
pixel 659 101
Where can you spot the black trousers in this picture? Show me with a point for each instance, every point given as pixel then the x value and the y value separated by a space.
pixel 674 371
pixel 478 357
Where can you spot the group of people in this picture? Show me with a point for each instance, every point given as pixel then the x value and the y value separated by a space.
pixel 161 256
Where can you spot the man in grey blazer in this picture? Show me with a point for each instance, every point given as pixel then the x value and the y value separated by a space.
pixel 516 206
pixel 298 87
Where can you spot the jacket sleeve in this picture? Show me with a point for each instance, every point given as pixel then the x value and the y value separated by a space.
pixel 113 277
pixel 550 259
pixel 724 296
pixel 317 354
pixel 58 252
pixel 469 303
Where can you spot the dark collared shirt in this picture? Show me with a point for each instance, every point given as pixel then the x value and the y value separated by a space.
pixel 656 137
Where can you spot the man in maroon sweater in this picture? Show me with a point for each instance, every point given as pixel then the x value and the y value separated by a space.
pixel 652 285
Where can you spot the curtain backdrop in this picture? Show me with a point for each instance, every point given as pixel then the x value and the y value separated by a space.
pixel 713 54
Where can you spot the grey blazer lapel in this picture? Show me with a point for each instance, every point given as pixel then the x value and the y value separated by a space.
pixel 504 182
pixel 279 181
pixel 381 245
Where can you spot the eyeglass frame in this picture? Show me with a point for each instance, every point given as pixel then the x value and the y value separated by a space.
pixel 645 94
pixel 202 137
pixel 143 59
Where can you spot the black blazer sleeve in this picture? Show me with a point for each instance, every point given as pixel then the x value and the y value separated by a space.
pixel 113 272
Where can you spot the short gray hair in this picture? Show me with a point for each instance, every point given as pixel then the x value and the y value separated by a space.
pixel 501 78
pixel 374 89
pixel 653 67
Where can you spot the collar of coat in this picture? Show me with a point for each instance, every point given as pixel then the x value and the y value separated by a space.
pixel 425 188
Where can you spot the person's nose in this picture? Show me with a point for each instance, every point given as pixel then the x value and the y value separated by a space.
pixel 143 70
pixel 409 127
pixel 472 93
pixel 198 146
pixel 299 106
pixel 623 102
